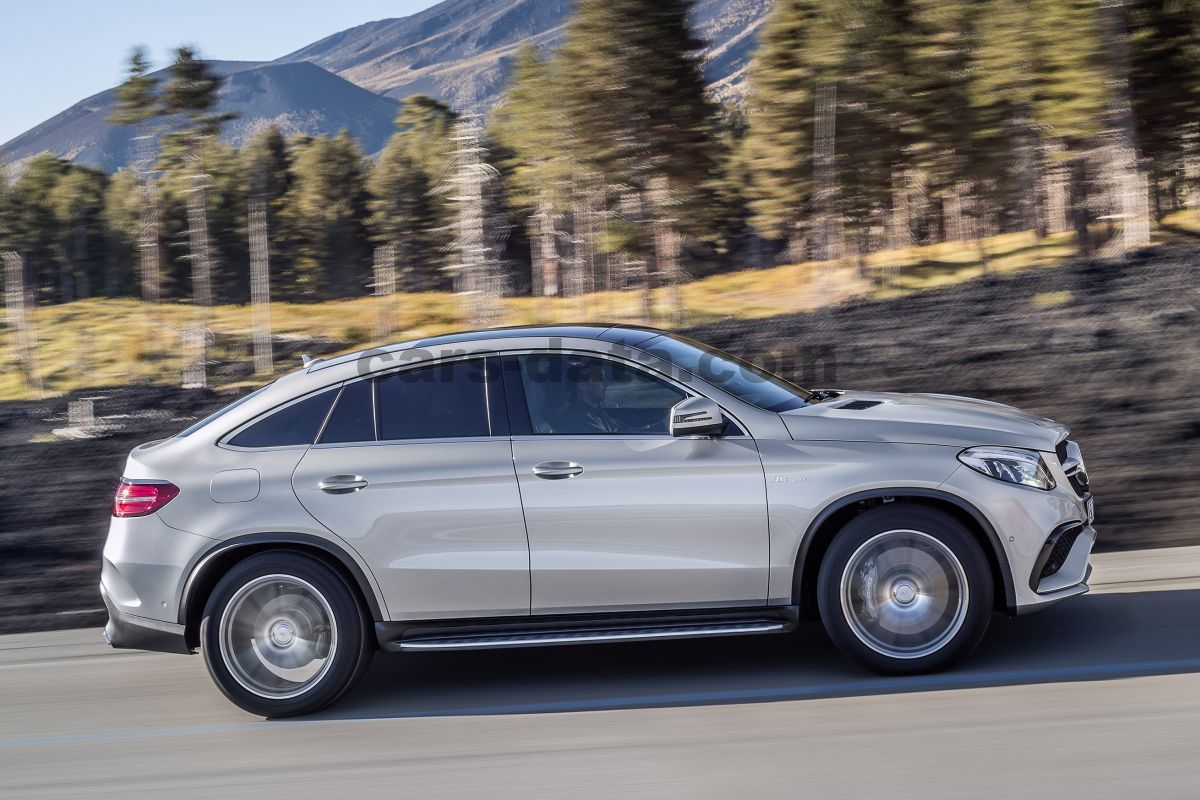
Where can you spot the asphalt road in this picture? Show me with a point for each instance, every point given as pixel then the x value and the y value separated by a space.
pixel 1098 698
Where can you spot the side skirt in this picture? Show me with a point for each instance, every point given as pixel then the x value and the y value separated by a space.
pixel 508 632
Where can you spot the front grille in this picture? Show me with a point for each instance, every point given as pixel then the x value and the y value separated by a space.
pixel 1059 551
pixel 1074 466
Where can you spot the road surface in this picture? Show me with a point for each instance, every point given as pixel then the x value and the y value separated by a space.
pixel 1096 698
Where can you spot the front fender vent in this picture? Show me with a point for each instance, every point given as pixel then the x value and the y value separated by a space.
pixel 858 405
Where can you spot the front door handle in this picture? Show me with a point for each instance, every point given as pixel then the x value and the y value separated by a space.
pixel 342 484
pixel 553 470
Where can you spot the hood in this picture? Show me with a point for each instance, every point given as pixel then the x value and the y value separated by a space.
pixel 921 419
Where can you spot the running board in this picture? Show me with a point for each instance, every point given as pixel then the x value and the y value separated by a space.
pixel 485 641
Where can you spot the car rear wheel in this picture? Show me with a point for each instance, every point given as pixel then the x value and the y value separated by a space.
pixel 282 634
pixel 905 589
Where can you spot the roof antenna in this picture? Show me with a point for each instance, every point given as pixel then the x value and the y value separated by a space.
pixel 307 359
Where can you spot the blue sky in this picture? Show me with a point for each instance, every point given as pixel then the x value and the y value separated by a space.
pixel 54 53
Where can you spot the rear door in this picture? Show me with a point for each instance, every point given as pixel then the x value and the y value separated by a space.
pixel 415 471
pixel 621 515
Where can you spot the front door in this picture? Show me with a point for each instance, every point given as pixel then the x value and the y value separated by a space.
pixel 622 516
pixel 415 474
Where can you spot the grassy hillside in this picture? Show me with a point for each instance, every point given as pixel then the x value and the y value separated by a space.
pixel 101 343
pixel 104 343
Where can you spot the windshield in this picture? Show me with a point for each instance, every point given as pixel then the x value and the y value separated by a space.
pixel 739 378
pixel 213 417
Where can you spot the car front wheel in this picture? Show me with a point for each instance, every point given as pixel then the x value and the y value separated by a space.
pixel 282 634
pixel 905 589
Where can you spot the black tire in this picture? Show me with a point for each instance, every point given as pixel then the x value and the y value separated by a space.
pixel 343 648
pixel 904 574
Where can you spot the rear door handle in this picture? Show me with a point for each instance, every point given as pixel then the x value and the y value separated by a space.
pixel 342 484
pixel 552 470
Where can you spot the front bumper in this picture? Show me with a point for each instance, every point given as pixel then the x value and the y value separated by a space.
pixel 1069 580
pixel 126 631
pixel 1023 519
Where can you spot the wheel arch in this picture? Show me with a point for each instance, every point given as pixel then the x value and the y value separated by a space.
pixel 826 524
pixel 216 562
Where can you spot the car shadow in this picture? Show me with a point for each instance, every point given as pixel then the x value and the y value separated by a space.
pixel 1095 637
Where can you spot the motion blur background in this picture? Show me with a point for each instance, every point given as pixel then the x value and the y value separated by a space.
pixel 998 198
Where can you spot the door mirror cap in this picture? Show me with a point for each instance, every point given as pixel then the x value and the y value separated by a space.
pixel 697 416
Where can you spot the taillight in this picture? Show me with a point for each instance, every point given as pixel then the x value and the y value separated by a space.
pixel 139 498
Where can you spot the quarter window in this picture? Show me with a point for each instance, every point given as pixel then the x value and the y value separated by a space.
pixel 570 394
pixel 441 401
pixel 296 424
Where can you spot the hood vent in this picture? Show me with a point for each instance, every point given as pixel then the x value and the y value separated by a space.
pixel 858 405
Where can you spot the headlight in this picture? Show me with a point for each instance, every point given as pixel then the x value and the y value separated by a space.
pixel 1011 464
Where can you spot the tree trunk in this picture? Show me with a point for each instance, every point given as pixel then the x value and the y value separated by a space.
pixel 149 258
pixel 1128 187
pixel 547 249
pixel 796 249
pixel 198 244
pixel 954 218
pixel 18 305
pixel 666 245
pixel 1079 203
pixel 1191 168
pixel 1056 179
pixel 195 339
pixel 1029 171
pixel 260 284
pixel 824 172
pixel 899 223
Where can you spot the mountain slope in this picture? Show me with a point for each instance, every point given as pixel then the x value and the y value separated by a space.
pixel 299 98
pixel 461 50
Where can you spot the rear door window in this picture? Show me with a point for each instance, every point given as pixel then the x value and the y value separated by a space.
pixel 441 401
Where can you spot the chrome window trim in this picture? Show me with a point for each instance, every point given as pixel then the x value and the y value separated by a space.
pixel 388 371
pixel 400 442
pixel 688 391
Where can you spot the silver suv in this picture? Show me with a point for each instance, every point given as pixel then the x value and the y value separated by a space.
pixel 577 484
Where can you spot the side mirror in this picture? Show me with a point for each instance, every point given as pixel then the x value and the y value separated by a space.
pixel 697 416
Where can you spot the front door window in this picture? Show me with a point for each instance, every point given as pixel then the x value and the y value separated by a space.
pixel 570 394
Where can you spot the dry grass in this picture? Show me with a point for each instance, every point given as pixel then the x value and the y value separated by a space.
pixel 96 343
pixel 1182 222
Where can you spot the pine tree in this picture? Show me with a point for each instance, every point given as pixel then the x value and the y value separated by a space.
pixel 405 212
pixel 187 99
pixel 32 221
pixel 794 53
pixel 77 201
pixel 138 106
pixel 326 216
pixel 266 164
pixel 426 126
pixel 635 103
pixel 534 137
pixel 1070 93
pixel 1165 82
pixel 122 217
pixel 1007 149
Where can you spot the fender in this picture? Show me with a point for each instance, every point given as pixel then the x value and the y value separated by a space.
pixel 1001 558
pixel 365 587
